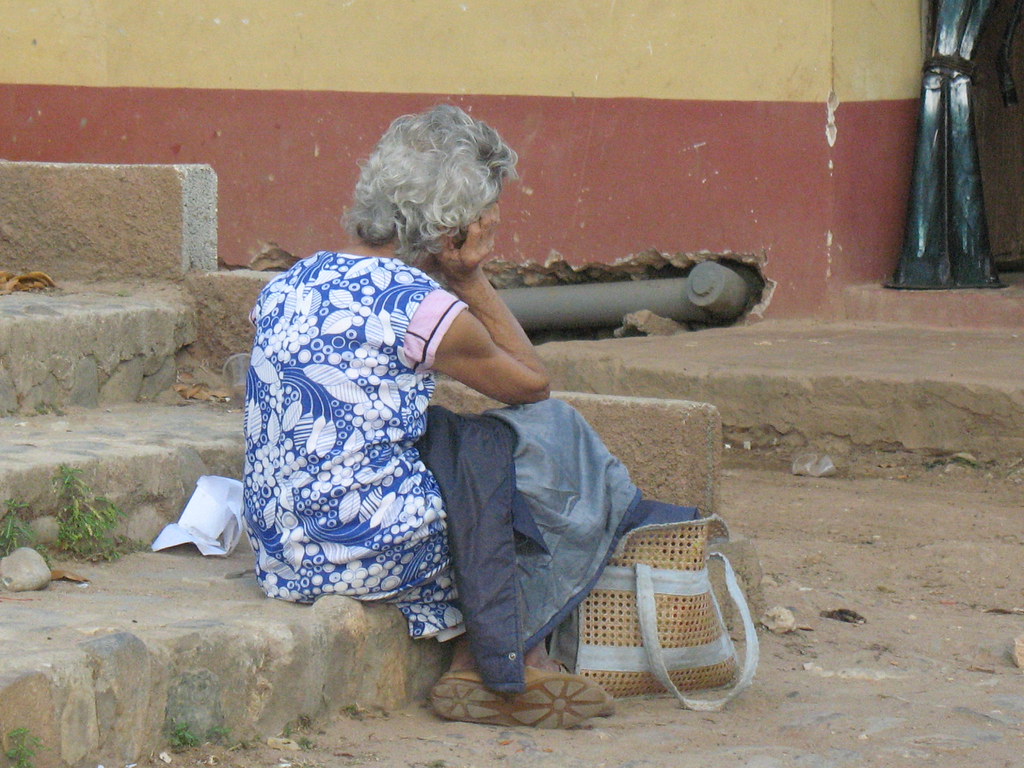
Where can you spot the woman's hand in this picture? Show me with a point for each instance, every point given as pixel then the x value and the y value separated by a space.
pixel 486 347
pixel 461 263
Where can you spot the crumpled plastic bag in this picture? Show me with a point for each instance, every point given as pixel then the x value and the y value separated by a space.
pixel 212 519
pixel 814 465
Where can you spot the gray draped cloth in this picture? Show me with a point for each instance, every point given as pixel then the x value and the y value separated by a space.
pixel 535 506
pixel 579 495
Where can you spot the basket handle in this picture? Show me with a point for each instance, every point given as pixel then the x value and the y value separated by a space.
pixel 648 616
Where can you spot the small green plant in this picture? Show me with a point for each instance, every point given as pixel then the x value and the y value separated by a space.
pixel 86 522
pixel 23 747
pixel 182 737
pixel 305 742
pixel 14 529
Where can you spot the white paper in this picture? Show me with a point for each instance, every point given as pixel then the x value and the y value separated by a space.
pixel 212 519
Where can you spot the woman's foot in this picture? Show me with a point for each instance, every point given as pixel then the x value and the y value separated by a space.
pixel 551 700
pixel 553 697
pixel 538 658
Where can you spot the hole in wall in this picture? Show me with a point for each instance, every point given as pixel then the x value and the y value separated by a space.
pixel 646 265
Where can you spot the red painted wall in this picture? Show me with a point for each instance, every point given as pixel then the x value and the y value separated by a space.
pixel 602 178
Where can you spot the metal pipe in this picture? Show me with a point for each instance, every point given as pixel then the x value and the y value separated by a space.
pixel 711 293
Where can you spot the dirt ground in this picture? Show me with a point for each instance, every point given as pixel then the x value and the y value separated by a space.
pixel 926 550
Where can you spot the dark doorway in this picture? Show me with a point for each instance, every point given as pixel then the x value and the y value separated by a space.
pixel 1000 131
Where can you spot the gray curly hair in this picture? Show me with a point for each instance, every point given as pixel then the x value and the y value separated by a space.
pixel 431 174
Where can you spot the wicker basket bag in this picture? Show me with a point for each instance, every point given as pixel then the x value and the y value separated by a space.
pixel 652 623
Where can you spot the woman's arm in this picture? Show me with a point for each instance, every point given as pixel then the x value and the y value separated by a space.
pixel 486 348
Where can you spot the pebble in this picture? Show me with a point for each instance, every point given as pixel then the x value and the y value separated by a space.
pixel 1018 651
pixel 779 620
pixel 24 570
pixel 648 323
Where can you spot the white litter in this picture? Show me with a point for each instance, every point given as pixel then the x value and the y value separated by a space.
pixel 212 519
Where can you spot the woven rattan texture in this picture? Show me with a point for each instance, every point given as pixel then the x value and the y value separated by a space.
pixel 610 618
pixel 624 684
pixel 680 548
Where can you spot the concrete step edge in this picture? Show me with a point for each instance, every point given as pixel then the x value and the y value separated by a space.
pixel 847 408
pixel 89 348
pixel 241 668
pixel 144 457
pixel 159 639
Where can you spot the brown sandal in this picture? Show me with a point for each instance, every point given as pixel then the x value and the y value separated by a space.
pixel 551 700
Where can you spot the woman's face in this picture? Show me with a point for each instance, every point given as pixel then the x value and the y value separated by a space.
pixel 491 215
pixel 488 220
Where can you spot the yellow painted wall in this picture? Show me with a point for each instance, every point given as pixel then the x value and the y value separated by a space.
pixel 877 49
pixel 764 50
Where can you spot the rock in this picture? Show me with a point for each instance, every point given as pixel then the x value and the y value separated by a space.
pixel 24 570
pixel 1018 651
pixel 194 701
pixel 649 324
pixel 779 620
pixel 965 458
pixel 274 258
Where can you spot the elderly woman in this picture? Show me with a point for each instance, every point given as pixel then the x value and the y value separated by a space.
pixel 471 526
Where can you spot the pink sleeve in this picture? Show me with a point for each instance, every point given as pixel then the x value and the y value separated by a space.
pixel 428 326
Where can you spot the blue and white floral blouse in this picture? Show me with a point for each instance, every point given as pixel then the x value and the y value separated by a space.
pixel 337 500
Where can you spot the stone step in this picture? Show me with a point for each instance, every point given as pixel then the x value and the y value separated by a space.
pixel 975 308
pixel 83 347
pixel 102 671
pixel 224 300
pixel 145 458
pixel 812 386
pixel 102 222
pixel 672 448
pixel 821 386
